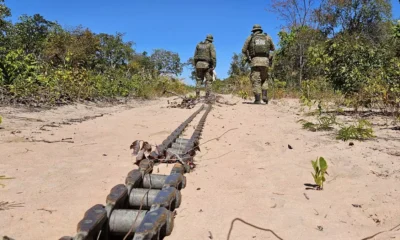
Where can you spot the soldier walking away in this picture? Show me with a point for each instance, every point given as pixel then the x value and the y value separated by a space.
pixel 205 60
pixel 257 49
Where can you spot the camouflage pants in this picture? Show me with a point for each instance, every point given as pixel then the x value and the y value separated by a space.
pixel 259 79
pixel 202 73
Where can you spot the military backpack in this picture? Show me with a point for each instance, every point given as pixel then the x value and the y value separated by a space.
pixel 259 46
pixel 203 52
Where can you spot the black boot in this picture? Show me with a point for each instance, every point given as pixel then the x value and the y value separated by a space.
pixel 257 98
pixel 265 96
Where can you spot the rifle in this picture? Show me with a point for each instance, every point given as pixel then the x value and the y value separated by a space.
pixel 248 56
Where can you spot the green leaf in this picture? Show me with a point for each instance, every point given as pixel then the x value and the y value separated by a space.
pixel 314 164
pixel 323 165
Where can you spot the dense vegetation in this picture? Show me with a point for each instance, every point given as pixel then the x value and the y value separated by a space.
pixel 346 51
pixel 43 63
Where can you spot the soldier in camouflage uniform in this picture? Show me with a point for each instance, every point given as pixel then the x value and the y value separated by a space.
pixel 257 50
pixel 205 60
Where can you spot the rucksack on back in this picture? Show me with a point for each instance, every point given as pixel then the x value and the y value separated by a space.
pixel 259 46
pixel 203 52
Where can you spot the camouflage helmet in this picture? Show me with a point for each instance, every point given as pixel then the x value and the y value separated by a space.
pixel 210 38
pixel 256 27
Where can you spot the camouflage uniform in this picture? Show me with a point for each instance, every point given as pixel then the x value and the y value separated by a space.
pixel 259 61
pixel 205 60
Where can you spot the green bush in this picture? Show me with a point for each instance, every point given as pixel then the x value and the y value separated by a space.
pixel 360 131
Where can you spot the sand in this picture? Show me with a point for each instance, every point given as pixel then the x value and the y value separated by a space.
pixel 249 173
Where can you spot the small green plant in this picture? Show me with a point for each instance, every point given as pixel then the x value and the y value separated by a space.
pixel 324 123
pixel 243 94
pixel 1 120
pixel 320 166
pixel 359 131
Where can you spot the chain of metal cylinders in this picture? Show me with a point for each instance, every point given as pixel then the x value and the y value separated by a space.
pixel 144 206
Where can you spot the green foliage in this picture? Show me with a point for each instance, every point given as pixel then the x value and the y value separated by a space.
pixel 30 33
pixel 167 62
pixel 239 66
pixel 114 52
pixel 291 59
pixel 5 24
pixel 366 18
pixel 220 86
pixel 17 65
pixel 43 63
pixel 349 54
pixel 360 131
pixel 243 94
pixel 351 62
pixel 324 123
pixel 1 119
pixel 320 166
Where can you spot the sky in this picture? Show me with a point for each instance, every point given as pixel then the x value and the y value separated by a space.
pixel 174 25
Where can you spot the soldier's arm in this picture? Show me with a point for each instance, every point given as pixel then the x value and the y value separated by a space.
pixel 213 55
pixel 195 54
pixel 272 44
pixel 246 46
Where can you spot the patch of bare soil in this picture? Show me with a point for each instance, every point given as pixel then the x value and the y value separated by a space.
pixel 66 160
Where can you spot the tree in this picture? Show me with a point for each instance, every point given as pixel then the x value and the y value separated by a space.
pixel 141 62
pixel 56 45
pixel 239 66
pixel 5 26
pixel 298 34
pixel 114 52
pixel 295 13
pixel 4 14
pixel 167 62
pixel 78 47
pixel 31 32
pixel 366 17
pixel 190 65
pixel 291 59
pixel 83 47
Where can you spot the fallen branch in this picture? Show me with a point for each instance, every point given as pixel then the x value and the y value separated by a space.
pixel 48 125
pixel 254 226
pixel 86 118
pixel 50 211
pixel 56 141
pixel 376 234
pixel 216 157
pixel 217 138
pixel 173 93
pixel 27 119
pixel 9 205
pixel 83 145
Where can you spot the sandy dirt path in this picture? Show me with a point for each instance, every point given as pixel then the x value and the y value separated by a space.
pixel 249 173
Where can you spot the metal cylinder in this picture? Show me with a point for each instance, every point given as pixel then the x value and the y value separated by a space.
pixel 156 225
pixel 182 141
pixel 178 168
pixel 180 146
pixel 137 194
pixel 178 199
pixel 121 221
pixel 173 151
pixel 153 180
